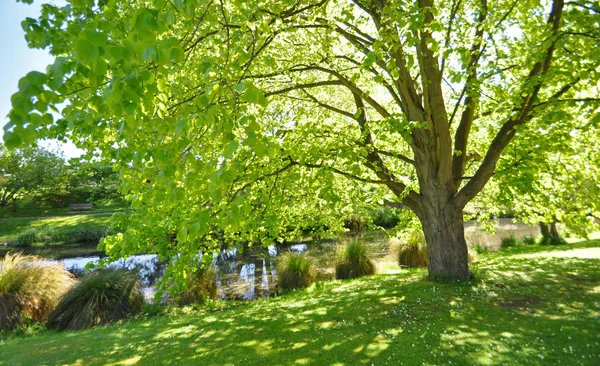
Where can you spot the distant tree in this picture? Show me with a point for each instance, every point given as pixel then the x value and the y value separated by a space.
pixel 27 172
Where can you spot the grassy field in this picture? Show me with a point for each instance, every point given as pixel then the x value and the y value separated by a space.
pixel 531 305
pixel 63 228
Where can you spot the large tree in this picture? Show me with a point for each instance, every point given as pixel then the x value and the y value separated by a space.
pixel 244 115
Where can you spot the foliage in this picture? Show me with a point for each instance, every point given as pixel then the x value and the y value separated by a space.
pixel 295 270
pixel 29 289
pixel 100 298
pixel 412 249
pixel 353 261
pixel 213 130
pixel 528 240
pixel 481 249
pixel 440 323
pixel 355 223
pixel 201 285
pixel 508 242
pixel 28 171
pixel 385 217
pixel 83 233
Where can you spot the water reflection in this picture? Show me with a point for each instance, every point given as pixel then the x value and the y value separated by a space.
pixel 251 272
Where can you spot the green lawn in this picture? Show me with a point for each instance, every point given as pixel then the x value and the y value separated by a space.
pixel 524 310
pixel 10 228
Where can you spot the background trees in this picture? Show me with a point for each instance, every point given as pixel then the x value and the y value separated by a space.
pixel 28 172
pixel 243 117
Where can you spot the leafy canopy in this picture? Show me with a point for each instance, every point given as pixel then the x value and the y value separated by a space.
pixel 245 118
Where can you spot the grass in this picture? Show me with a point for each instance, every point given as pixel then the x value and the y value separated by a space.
pixel 62 231
pixel 295 270
pixel 26 208
pixel 201 286
pixel 353 261
pixel 412 250
pixel 29 290
pixel 522 310
pixel 101 297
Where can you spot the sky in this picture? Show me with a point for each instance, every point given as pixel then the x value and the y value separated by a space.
pixel 16 60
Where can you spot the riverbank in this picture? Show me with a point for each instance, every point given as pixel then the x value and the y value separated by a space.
pixel 524 309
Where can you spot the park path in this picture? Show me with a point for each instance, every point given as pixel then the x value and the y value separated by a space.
pixel 56 216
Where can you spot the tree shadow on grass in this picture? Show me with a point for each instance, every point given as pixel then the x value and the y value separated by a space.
pixel 523 311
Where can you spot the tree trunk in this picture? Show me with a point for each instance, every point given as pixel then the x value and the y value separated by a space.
pixel 444 231
pixel 550 233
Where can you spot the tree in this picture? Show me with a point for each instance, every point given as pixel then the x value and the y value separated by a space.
pixel 220 112
pixel 28 171
pixel 550 185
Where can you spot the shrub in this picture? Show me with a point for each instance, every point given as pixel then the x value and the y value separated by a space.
pixel 509 241
pixel 353 261
pixel 412 250
pixel 295 270
pixel 385 217
pixel 101 297
pixel 528 240
pixel 355 223
pixel 85 233
pixel 29 289
pixel 480 249
pixel 201 285
pixel 25 238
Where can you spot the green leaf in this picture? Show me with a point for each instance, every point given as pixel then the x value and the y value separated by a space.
pixel 255 96
pixel 150 54
pixel 11 140
pixel 182 235
pixel 85 51
pixel 37 79
pixel 99 39
pixel 230 149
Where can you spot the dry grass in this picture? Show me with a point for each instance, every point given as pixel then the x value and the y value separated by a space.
pixel 100 298
pixel 201 285
pixel 29 289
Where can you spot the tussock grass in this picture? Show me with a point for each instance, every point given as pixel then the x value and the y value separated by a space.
pixel 412 250
pixel 100 298
pixel 29 289
pixel 295 270
pixel 201 285
pixel 353 261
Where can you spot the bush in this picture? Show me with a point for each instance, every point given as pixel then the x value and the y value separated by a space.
pixel 412 250
pixel 101 297
pixel 385 217
pixel 201 285
pixel 528 240
pixel 355 223
pixel 353 262
pixel 480 249
pixel 295 270
pixel 29 289
pixel 85 233
pixel 508 242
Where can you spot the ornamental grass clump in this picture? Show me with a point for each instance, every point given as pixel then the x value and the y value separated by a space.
pixel 30 289
pixel 295 270
pixel 353 261
pixel 100 298
pixel 200 286
pixel 412 250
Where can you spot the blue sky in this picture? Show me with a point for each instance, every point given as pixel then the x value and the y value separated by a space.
pixel 16 59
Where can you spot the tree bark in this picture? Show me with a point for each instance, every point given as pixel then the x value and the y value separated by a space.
pixel 443 227
pixel 549 233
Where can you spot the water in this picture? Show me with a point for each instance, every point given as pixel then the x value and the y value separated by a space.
pixel 251 274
